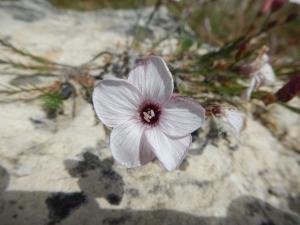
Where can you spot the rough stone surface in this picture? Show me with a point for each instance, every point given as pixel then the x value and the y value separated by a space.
pixel 287 124
pixel 61 171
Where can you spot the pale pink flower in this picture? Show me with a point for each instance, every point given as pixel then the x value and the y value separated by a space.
pixel 147 120
pixel 230 115
pixel 261 74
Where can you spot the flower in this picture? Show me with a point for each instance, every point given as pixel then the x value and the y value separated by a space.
pixel 261 73
pixel 230 115
pixel 147 119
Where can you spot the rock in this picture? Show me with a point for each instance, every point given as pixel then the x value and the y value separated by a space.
pixel 25 80
pixel 61 204
pixel 294 204
pixel 4 179
pixel 283 123
pixel 23 169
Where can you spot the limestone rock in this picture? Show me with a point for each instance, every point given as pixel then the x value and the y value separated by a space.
pixel 62 172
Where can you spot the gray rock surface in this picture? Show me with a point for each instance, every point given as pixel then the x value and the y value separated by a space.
pixel 61 171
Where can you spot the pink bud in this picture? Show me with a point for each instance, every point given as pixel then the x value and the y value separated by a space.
pixel 272 5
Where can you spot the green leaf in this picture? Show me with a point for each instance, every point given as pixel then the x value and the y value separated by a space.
pixel 52 101
pixel 186 43
pixel 292 108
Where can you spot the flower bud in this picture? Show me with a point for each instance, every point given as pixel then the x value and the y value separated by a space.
pixel 260 73
pixel 230 115
pixel 272 5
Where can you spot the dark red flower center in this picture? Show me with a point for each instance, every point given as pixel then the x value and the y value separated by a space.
pixel 150 113
pixel 216 110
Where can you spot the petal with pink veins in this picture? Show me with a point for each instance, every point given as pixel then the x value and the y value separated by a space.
pixel 116 101
pixel 169 151
pixel 128 146
pixel 181 116
pixel 153 78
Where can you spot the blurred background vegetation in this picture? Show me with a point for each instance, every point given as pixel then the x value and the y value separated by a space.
pixel 233 34
pixel 214 21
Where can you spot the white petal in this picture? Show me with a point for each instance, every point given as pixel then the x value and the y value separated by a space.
pixel 110 77
pixel 295 1
pixel 153 78
pixel 116 101
pixel 170 151
pixel 267 74
pixel 246 95
pixel 265 58
pixel 236 119
pixel 181 116
pixel 125 143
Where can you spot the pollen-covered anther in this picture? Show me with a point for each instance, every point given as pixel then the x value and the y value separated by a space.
pixel 150 113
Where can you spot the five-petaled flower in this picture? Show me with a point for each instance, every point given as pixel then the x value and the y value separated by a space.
pixel 147 119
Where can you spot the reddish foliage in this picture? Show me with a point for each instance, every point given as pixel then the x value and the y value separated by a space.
pixel 289 90
pixel 85 81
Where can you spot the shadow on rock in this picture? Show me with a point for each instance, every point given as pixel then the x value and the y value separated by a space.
pixel 98 179
pixel 294 204
pixel 4 179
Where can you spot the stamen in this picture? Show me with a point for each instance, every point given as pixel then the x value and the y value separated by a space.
pixel 147 119
pixel 146 115
pixel 150 113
